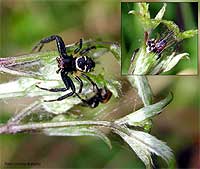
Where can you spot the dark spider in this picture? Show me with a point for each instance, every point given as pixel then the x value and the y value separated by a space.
pixel 77 65
pixel 102 95
pixel 158 45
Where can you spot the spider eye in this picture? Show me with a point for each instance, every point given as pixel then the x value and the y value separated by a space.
pixel 85 64
pixel 80 63
pixel 90 65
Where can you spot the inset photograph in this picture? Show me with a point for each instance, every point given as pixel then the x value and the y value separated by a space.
pixel 159 38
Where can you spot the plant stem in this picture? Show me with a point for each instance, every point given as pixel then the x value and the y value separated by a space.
pixel 25 112
pixel 11 128
pixel 144 90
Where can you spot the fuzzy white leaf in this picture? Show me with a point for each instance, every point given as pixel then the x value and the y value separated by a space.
pixel 144 9
pixel 78 131
pixel 175 60
pixel 158 18
pixel 139 149
pixel 144 145
pixel 25 87
pixel 145 113
pixel 143 63
pixel 75 130
pixel 161 12
pixel 158 68
pixel 143 88
pixel 153 144
pixel 18 88
pixel 61 106
pixel 162 64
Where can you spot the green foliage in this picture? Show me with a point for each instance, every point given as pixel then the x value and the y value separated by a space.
pixel 144 62
pixel 144 16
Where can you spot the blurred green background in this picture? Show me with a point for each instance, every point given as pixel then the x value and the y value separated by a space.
pixel 183 14
pixel 24 23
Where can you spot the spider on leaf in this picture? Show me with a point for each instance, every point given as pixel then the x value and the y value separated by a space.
pixel 77 65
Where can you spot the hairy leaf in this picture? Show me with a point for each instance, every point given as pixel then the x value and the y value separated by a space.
pixel 171 26
pixel 172 63
pixel 144 9
pixel 144 62
pixel 144 144
pixel 78 131
pixel 144 16
pixel 145 113
pixel 187 34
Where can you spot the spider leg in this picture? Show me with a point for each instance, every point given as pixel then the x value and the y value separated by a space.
pixel 83 100
pixel 84 51
pixel 53 89
pixel 61 97
pixel 134 53
pixel 60 45
pixel 69 84
pixel 81 84
pixel 95 87
pixel 92 102
pixel 80 46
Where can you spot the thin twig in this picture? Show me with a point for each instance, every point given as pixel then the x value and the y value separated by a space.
pixel 20 73
pixel 25 112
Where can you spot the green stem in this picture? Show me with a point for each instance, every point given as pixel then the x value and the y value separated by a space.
pixel 144 90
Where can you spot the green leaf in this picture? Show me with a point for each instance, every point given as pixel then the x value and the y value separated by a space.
pixel 26 87
pixel 144 144
pixel 143 63
pixel 157 20
pixel 116 51
pixel 133 12
pixel 171 26
pixel 137 118
pixel 172 63
pixel 75 130
pixel 61 106
pixel 144 16
pixel 162 64
pixel 78 131
pixel 19 88
pixel 144 90
pixel 146 22
pixel 168 62
pixel 144 9
pixel 161 13
pixel 187 34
